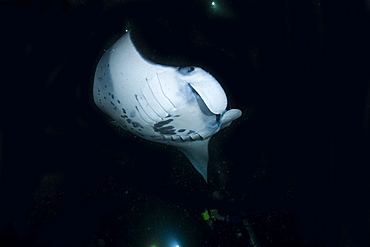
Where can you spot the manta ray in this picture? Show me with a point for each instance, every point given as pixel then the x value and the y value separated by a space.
pixel 178 106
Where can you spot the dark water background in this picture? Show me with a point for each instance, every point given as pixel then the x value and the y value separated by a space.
pixel 296 162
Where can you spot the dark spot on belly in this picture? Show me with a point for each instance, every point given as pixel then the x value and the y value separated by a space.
pixel 181 130
pixel 168 130
pixel 164 130
pixel 162 123
pixel 136 124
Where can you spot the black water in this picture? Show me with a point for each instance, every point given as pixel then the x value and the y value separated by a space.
pixel 295 164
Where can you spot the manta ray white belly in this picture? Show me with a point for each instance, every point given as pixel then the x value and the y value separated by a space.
pixel 182 107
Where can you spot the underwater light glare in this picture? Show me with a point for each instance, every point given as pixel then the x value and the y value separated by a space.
pixel 175 244
pixel 172 241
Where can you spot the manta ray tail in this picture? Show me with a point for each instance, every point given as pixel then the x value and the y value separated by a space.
pixel 197 153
